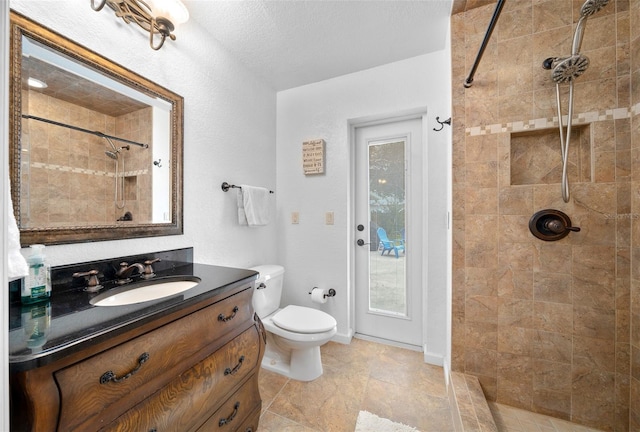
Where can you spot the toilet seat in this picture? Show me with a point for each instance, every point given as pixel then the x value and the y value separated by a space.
pixel 300 319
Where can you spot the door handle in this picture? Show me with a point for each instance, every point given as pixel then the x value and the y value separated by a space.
pixel 361 242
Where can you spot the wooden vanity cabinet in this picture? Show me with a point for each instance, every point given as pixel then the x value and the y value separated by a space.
pixel 193 370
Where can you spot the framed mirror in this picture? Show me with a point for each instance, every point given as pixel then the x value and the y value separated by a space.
pixel 95 149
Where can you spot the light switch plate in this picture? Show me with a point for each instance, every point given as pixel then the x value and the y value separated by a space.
pixel 328 218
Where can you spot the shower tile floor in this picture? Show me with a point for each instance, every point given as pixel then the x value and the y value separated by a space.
pixel 393 383
pixel 510 419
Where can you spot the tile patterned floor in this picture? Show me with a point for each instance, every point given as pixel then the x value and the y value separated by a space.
pixel 390 382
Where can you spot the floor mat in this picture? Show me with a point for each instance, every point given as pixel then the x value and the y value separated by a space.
pixel 368 422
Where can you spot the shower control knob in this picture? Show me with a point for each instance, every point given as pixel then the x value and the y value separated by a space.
pixel 551 225
pixel 554 225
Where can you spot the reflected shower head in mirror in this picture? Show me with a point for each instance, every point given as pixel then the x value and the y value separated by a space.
pixel 113 154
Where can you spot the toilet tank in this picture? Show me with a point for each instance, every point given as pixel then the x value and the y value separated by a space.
pixel 267 300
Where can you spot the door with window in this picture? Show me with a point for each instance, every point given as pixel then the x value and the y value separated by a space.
pixel 388 215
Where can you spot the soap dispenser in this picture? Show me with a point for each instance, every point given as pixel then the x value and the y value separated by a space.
pixel 36 286
pixel 36 323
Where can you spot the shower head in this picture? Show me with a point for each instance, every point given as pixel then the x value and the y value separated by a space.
pixel 566 69
pixel 112 154
pixel 110 142
pixel 591 7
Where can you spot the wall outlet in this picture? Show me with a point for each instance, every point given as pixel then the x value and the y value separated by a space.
pixel 295 217
pixel 328 218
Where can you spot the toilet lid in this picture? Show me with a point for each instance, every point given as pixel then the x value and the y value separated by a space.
pixel 300 319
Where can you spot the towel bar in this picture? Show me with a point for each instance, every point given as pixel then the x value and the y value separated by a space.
pixel 226 186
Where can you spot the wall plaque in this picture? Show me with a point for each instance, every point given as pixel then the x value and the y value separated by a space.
pixel 313 157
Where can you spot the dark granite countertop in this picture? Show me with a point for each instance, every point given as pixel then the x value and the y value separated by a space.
pixel 69 323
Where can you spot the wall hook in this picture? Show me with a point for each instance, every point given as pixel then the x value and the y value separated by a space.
pixel 442 123
pixel 158 163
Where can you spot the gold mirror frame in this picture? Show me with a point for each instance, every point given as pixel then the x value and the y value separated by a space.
pixel 23 26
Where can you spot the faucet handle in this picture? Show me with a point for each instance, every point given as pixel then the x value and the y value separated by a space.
pixel 148 269
pixel 93 281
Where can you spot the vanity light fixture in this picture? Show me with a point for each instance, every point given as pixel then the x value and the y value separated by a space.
pixel 155 16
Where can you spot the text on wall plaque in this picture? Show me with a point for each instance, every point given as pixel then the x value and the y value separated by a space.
pixel 313 157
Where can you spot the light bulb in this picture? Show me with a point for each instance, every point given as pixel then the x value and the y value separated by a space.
pixel 174 10
pixel 36 83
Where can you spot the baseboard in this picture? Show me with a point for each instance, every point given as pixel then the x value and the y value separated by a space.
pixel 433 358
pixel 447 372
pixel 343 338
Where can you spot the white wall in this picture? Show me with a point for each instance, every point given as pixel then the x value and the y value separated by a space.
pixel 315 254
pixel 229 125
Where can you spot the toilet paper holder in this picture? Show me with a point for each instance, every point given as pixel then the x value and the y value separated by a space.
pixel 330 293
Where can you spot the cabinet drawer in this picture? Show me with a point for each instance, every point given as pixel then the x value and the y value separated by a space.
pixel 249 425
pixel 173 410
pixel 232 414
pixel 143 364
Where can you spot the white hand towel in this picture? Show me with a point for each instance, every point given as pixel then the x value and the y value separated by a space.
pixel 17 266
pixel 242 217
pixel 253 205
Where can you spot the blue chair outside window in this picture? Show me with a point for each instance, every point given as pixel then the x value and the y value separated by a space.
pixel 387 245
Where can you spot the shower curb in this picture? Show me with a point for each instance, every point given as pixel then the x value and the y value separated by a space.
pixel 470 410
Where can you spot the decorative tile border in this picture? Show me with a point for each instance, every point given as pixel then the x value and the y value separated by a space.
pixel 73 170
pixel 547 123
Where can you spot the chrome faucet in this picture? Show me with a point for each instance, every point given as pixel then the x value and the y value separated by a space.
pixel 126 270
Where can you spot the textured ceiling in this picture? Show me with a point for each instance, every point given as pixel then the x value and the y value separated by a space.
pixel 297 42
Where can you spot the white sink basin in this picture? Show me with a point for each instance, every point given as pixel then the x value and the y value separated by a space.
pixel 151 290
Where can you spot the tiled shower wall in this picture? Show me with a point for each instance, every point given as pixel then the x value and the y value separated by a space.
pixel 66 177
pixel 547 326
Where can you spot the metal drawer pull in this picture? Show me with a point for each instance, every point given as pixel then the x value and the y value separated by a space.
pixel 229 371
pixel 225 421
pixel 110 376
pixel 223 318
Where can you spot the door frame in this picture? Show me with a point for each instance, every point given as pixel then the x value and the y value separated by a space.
pixel 353 124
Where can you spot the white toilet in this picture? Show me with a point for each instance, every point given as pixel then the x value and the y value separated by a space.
pixel 294 333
